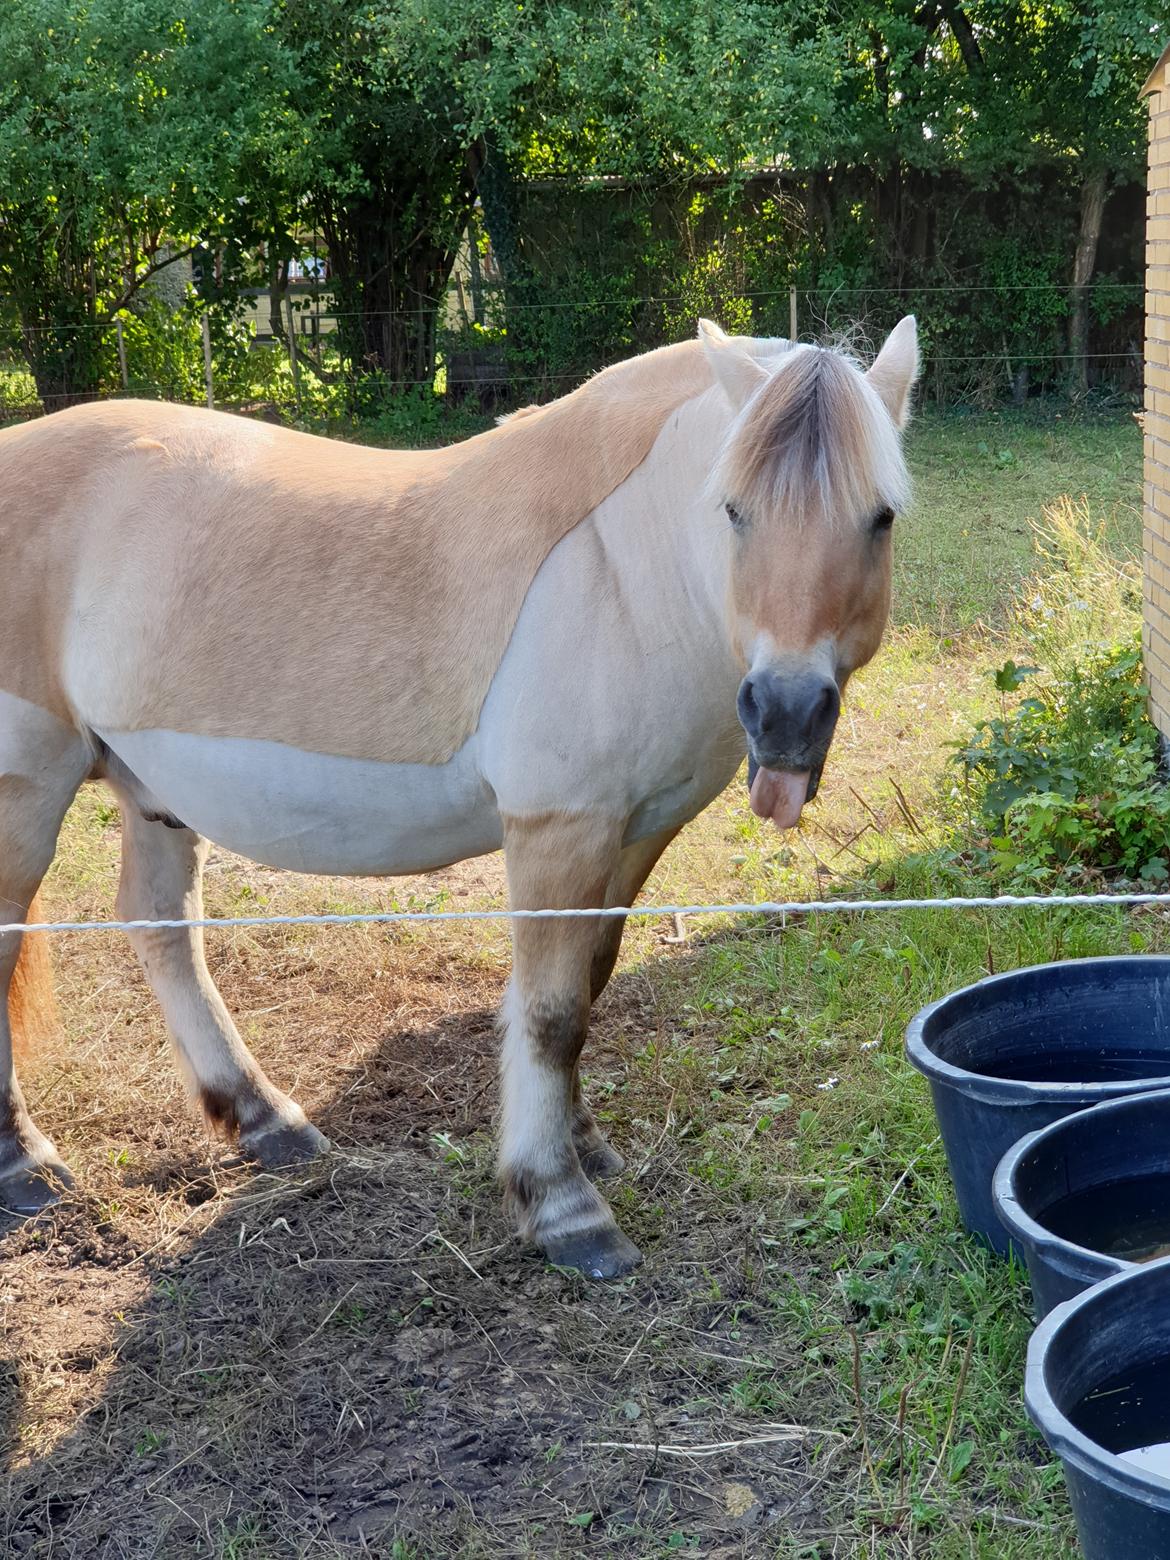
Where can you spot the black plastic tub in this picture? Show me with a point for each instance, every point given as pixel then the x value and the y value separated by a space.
pixel 1098 1386
pixel 1089 1196
pixel 1014 1052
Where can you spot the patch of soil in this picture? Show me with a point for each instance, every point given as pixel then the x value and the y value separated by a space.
pixel 322 1365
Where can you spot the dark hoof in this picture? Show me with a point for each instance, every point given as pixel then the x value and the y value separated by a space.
pixel 284 1145
pixel 27 1191
pixel 598 1253
pixel 600 1161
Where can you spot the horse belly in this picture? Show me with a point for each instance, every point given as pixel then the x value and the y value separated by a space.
pixel 310 812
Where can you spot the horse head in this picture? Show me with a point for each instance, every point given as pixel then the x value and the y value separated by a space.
pixel 811 477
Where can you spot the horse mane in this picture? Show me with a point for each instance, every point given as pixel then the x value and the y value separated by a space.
pixel 814 439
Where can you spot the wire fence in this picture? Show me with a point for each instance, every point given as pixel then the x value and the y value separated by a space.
pixel 771 908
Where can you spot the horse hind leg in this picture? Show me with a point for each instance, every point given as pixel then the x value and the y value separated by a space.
pixel 162 879
pixel 554 861
pixel 42 764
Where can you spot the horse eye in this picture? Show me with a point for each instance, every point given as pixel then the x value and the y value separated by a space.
pixel 883 520
pixel 734 516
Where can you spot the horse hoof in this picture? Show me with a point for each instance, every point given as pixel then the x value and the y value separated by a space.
pixel 277 1147
pixel 598 1253
pixel 27 1190
pixel 601 1161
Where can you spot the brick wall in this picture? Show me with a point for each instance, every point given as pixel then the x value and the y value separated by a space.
pixel 1156 633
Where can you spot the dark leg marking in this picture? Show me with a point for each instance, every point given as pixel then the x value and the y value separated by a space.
pixel 558 1030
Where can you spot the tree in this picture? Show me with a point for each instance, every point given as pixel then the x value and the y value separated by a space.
pixel 123 127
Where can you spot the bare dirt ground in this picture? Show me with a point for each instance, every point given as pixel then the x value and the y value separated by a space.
pixel 198 1356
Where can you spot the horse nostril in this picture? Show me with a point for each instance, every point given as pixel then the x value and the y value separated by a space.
pixel 827 708
pixel 748 711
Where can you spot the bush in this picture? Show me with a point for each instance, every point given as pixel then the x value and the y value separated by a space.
pixel 1065 779
pixel 1068 778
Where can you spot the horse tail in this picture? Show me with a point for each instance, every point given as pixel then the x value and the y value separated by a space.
pixel 32 1008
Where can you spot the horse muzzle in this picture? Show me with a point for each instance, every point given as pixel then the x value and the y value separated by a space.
pixel 789 717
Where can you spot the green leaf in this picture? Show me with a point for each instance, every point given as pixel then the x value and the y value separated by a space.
pixel 960 1459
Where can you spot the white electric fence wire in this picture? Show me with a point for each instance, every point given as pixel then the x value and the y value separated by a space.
pixel 608 912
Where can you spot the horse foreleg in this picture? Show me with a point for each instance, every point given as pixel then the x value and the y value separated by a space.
pixel 598 1158
pixel 162 879
pixel 556 861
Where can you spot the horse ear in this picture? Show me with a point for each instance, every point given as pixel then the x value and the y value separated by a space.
pixel 895 369
pixel 732 364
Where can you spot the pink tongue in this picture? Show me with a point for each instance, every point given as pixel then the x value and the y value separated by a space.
pixel 779 794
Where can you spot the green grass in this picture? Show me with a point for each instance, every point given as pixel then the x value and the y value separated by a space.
pixel 941 1454
pixel 980 478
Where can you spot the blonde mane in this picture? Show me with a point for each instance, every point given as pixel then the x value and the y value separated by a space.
pixel 815 439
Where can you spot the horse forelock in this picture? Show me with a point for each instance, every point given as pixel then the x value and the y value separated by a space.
pixel 814 442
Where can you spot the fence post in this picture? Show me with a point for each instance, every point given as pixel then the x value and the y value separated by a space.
pixel 207 361
pixel 292 351
pixel 122 355
pixel 792 314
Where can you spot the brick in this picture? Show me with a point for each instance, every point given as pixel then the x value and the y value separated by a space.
pixel 1157 529
pixel 1159 645
pixel 1157 679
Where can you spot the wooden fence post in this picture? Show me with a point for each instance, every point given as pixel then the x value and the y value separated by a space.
pixel 292 351
pixel 122 355
pixel 207 361
pixel 792 314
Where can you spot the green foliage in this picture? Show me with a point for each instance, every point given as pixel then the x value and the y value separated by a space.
pixel 124 134
pixel 911 150
pixel 1066 778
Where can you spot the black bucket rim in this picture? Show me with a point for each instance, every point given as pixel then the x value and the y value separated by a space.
pixel 989 1089
pixel 1073 1445
pixel 1028 1230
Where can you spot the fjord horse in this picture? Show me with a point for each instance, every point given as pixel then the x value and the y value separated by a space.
pixel 556 637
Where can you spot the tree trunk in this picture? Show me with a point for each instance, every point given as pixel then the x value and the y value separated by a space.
pixel 1084 262
pixel 391 277
pixel 278 270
